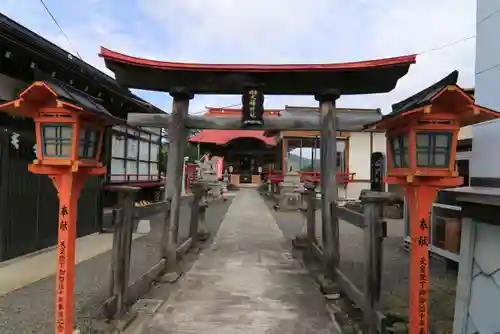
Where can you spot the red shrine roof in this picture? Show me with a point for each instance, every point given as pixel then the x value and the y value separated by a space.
pixel 361 77
pixel 222 137
pixel 237 112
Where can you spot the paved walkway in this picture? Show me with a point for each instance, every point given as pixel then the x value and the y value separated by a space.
pixel 30 309
pixel 246 282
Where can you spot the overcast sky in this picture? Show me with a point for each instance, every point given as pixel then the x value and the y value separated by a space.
pixel 266 31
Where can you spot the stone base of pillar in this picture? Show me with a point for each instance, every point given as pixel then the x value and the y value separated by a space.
pixel 289 199
pixel 203 232
pixel 300 242
pixel 202 237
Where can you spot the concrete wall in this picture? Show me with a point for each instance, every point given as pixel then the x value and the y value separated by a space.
pixel 478 288
pixel 485 156
pixel 487 54
pixel 481 304
pixel 485 161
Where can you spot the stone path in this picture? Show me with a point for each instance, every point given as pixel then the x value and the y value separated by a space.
pixel 246 282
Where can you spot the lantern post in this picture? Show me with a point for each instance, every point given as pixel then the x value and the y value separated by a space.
pixel 422 134
pixel 69 128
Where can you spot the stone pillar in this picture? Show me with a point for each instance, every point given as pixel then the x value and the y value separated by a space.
pixel 307 235
pixel 290 198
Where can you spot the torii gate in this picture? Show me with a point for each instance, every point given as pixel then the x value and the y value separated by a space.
pixel 327 82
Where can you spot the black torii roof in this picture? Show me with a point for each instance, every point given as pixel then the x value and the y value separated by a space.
pixel 361 77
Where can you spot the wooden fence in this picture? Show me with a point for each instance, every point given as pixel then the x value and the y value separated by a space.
pixel 121 292
pixel 375 230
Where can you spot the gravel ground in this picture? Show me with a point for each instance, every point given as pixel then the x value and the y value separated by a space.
pixel 30 309
pixel 394 300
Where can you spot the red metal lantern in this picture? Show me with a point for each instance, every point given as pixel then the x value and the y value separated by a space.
pixel 69 131
pixel 422 134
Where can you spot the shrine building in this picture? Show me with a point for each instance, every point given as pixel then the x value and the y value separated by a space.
pixel 252 156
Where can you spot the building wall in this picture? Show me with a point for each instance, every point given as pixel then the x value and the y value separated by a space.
pixel 487 54
pixel 465 133
pixel 359 161
pixel 478 288
pixel 486 157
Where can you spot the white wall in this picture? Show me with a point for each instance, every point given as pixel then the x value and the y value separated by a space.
pixel 465 133
pixel 485 160
pixel 488 54
pixel 359 160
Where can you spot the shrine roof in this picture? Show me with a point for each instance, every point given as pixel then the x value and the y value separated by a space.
pixel 236 112
pixel 347 114
pixel 362 77
pixel 222 137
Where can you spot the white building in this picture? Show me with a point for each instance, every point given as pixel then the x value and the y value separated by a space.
pixel 478 288
pixel 487 90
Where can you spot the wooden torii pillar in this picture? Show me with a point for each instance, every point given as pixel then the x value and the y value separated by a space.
pixel 329 193
pixel 178 133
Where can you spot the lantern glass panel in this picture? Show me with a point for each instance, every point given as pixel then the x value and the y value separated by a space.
pixel 89 138
pixel 56 140
pixel 433 149
pixel 399 148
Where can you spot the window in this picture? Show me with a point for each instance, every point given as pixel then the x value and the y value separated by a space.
pixel 88 143
pixel 57 140
pixel 433 149
pixel 134 155
pixel 399 148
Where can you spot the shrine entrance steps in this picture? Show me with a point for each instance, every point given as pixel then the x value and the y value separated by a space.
pixel 245 282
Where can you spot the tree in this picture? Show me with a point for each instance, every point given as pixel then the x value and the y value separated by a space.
pixel 191 153
pixel 308 168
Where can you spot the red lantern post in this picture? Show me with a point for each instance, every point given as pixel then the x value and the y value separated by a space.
pixel 69 128
pixel 422 134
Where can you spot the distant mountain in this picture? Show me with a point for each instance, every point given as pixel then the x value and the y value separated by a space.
pixel 295 162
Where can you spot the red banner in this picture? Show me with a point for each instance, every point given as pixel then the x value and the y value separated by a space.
pixel 219 167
